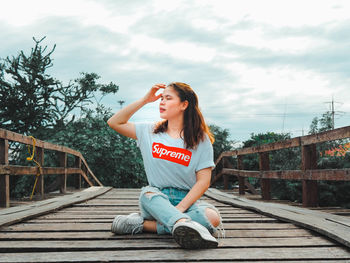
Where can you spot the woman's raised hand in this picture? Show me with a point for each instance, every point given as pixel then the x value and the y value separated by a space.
pixel 151 95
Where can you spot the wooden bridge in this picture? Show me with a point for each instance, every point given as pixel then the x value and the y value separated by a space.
pixel 75 226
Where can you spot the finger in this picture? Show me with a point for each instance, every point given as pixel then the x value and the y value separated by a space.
pixel 160 86
pixel 158 96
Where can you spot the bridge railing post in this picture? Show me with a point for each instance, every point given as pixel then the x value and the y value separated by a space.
pixel 226 177
pixel 264 165
pixel 4 178
pixel 241 181
pixel 63 177
pixel 40 183
pixel 77 164
pixel 310 187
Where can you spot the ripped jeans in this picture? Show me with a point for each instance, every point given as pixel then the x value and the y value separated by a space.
pixel 160 204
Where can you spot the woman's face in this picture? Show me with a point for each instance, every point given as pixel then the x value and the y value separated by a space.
pixel 170 105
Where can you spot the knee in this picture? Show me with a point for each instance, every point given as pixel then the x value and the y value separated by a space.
pixel 149 194
pixel 213 216
pixel 148 197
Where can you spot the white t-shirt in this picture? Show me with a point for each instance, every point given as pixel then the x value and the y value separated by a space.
pixel 166 160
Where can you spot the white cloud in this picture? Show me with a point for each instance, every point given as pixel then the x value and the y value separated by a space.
pixel 243 58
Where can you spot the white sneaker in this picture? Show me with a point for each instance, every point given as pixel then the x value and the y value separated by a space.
pixel 192 235
pixel 130 224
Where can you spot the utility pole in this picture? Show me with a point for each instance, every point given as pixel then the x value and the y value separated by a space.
pixel 121 102
pixel 332 112
pixel 284 115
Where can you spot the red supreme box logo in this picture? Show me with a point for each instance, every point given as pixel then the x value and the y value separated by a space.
pixel 172 154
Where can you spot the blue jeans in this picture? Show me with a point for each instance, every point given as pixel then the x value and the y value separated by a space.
pixel 160 205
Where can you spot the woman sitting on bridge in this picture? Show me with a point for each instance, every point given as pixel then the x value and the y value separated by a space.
pixel 178 159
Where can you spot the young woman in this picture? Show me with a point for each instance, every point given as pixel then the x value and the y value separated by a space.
pixel 178 158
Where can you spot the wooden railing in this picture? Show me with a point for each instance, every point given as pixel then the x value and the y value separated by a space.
pixel 308 174
pixel 80 169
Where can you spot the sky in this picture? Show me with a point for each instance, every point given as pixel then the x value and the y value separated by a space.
pixel 256 66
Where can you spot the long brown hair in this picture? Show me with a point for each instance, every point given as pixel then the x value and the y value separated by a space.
pixel 195 127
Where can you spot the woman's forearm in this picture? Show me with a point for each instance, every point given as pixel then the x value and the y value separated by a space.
pixel 193 195
pixel 122 116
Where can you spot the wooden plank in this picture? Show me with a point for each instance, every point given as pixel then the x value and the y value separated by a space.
pixel 71 233
pixel 323 223
pixel 111 215
pixel 86 245
pixel 4 178
pixel 228 224
pixel 324 174
pixel 83 235
pixel 105 226
pixel 332 135
pixel 89 170
pixel 63 177
pixel 10 216
pixel 264 165
pixel 103 232
pixel 182 255
pixel 241 184
pixel 12 136
pixel 77 180
pixel 310 188
pixel 40 183
pixel 16 137
pixel 32 170
pixel 294 142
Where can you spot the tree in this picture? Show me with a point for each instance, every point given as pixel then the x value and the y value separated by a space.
pixel 325 123
pixel 330 192
pixel 114 158
pixel 222 142
pixel 251 161
pixel 285 159
pixel 33 102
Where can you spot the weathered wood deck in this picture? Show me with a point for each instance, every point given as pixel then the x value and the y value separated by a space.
pixel 81 233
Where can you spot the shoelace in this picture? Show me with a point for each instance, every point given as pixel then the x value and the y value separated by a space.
pixel 137 226
pixel 221 231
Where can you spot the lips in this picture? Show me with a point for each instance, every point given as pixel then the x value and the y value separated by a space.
pixel 161 110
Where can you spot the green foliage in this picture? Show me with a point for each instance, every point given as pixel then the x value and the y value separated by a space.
pixel 222 142
pixel 278 160
pixel 34 103
pixel 114 159
pixel 330 193
pixel 325 123
pixel 286 159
